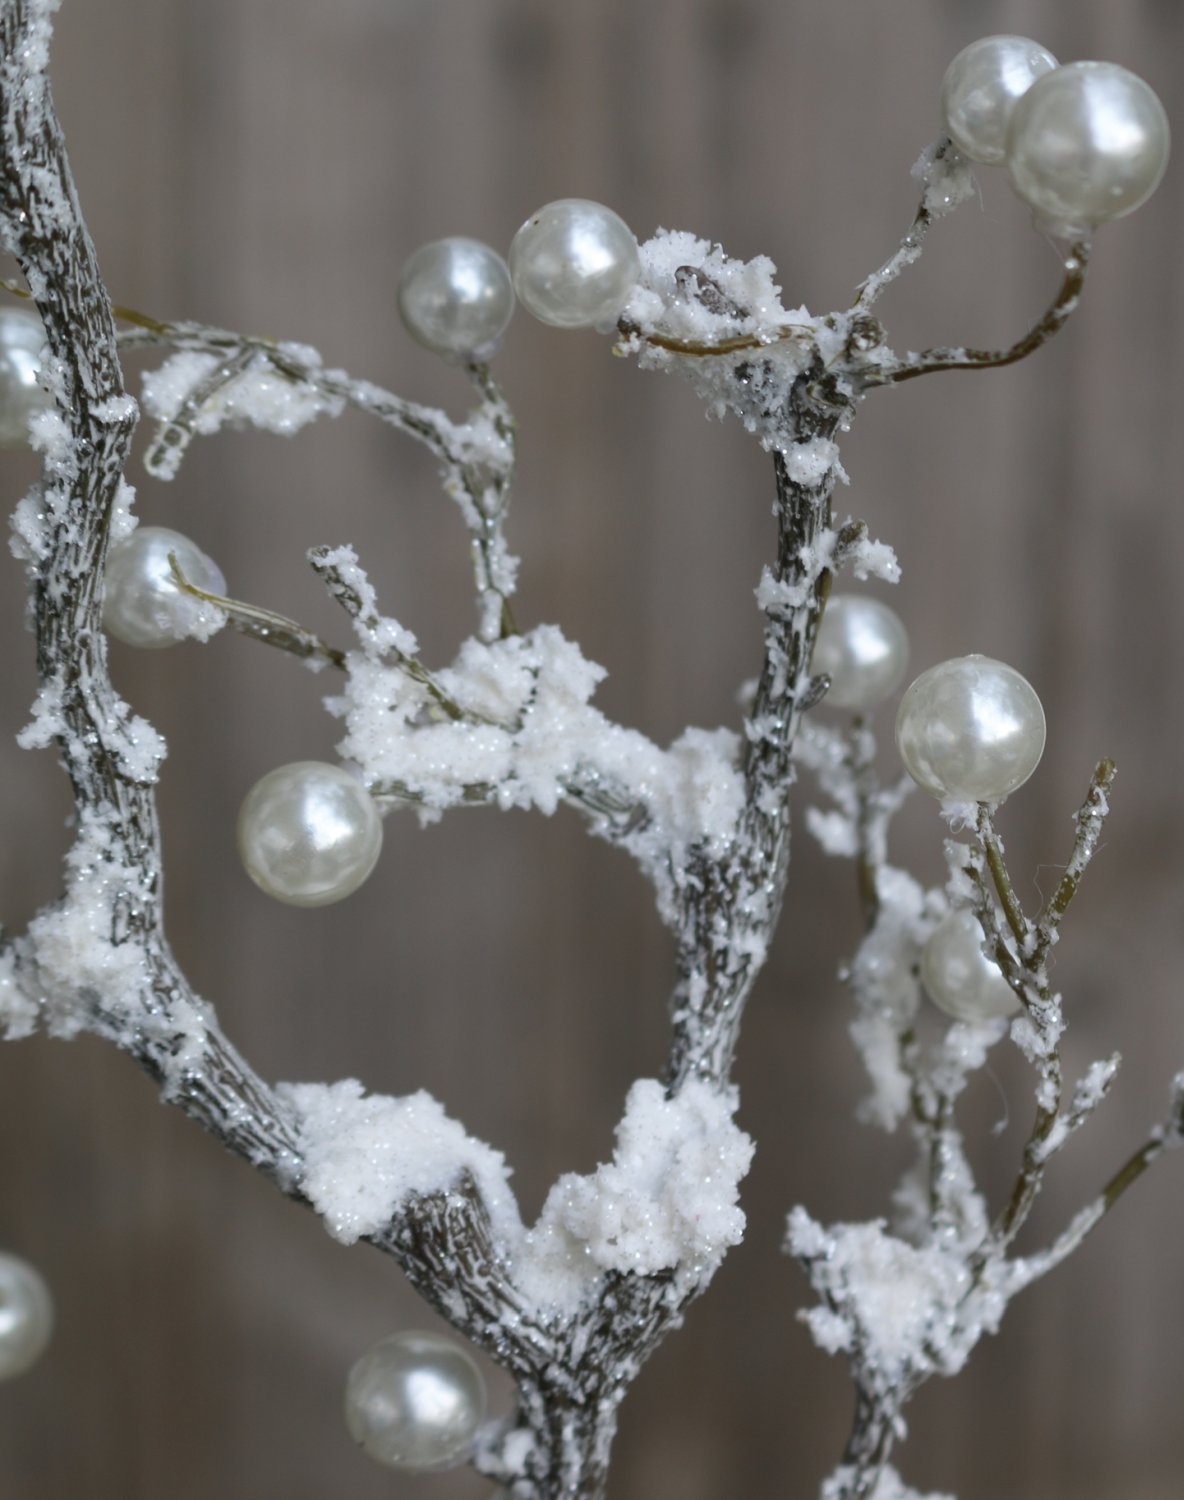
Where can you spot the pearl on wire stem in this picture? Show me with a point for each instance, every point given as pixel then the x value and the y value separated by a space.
pixel 143 603
pixel 981 88
pixel 959 977
pixel 415 1402
pixel 309 833
pixel 1087 143
pixel 456 298
pixel 26 1316
pixel 970 730
pixel 22 337
pixel 863 648
pixel 574 264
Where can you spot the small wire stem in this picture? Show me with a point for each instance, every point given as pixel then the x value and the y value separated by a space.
pixel 1090 818
pixel 700 350
pixel 993 849
pixel 929 361
pixel 263 624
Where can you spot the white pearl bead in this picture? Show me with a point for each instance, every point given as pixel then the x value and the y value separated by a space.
pixel 970 729
pixel 309 833
pixel 26 1316
pixel 1087 143
pixel 980 90
pixel 21 394
pixel 574 264
pixel 415 1402
pixel 863 647
pixel 143 606
pixel 959 977
pixel 456 298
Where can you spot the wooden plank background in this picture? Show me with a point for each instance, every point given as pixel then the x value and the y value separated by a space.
pixel 268 164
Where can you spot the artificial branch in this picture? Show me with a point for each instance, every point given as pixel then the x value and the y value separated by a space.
pixel 573 1306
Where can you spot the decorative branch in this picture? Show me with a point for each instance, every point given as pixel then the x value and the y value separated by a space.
pixel 574 1306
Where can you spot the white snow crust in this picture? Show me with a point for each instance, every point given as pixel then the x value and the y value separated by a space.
pixel 366 1154
pixel 666 1201
pixel 257 397
pixel 529 732
pixel 900 1310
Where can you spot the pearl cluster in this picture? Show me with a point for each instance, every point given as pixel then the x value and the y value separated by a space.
pixel 572 264
pixel 415 1402
pixel 1082 143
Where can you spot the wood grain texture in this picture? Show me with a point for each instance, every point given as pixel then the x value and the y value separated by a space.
pixel 268 164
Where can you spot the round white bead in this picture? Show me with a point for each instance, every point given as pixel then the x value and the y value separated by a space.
pixel 456 298
pixel 21 393
pixel 574 264
pixel 26 1316
pixel 309 833
pixel 959 977
pixel 981 88
pixel 1087 143
pixel 415 1402
pixel 863 647
pixel 970 729
pixel 143 605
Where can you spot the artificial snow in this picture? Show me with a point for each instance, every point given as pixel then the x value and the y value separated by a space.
pixel 19 1012
pixel 529 735
pixel 667 1201
pixel 258 396
pixel 84 963
pixel 901 1311
pixel 365 1155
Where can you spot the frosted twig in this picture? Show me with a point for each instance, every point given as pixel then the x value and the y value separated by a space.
pixel 1167 1137
pixel 263 624
pixel 1090 818
pixel 477 455
pixel 944 174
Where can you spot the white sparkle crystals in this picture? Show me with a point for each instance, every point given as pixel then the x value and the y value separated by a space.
pixel 1087 143
pixel 309 833
pixel 970 730
pixel 26 1316
pixel 144 605
pixel 574 264
pixel 959 977
pixel 456 298
pixel 415 1402
pixel 863 648
pixel 981 88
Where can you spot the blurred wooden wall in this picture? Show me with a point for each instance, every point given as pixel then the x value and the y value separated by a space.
pixel 268 164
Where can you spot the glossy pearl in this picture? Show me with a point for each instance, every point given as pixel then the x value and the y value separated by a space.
pixel 415 1401
pixel 970 729
pixel 959 977
pixel 863 648
pixel 26 1316
pixel 981 88
pixel 1087 143
pixel 456 298
pixel 143 605
pixel 574 264
pixel 21 394
pixel 309 833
